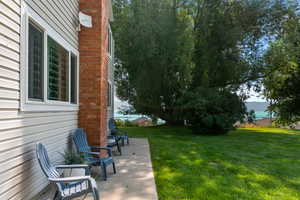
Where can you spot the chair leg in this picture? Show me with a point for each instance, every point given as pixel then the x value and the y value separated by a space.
pixel 104 172
pixel 56 195
pixel 96 195
pixel 114 167
pixel 119 148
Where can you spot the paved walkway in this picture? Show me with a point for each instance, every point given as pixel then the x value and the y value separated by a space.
pixel 134 179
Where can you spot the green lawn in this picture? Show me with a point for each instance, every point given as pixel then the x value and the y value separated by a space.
pixel 246 164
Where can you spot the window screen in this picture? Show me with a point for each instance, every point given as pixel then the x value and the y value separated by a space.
pixel 73 79
pixel 108 94
pixel 35 63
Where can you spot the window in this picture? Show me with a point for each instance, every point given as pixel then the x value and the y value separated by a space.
pixel 58 72
pixel 109 42
pixel 109 94
pixel 35 62
pixel 73 79
pixel 49 78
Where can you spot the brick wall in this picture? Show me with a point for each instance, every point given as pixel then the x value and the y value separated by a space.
pixel 93 72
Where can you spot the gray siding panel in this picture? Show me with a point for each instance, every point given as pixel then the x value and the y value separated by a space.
pixel 9 74
pixel 13 12
pixel 66 27
pixel 20 175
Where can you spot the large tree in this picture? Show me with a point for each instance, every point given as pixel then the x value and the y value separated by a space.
pixel 172 54
pixel 154 54
pixel 230 36
pixel 282 71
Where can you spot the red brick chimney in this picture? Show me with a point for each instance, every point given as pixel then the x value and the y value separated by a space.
pixel 93 72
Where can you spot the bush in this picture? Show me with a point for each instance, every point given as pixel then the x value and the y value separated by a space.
pixel 213 111
pixel 120 123
pixel 124 123
pixel 128 123
pixel 71 158
pixel 250 117
pixel 154 120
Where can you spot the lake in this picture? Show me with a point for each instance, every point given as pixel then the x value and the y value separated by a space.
pixel 259 108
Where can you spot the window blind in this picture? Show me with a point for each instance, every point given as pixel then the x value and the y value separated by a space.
pixel 58 59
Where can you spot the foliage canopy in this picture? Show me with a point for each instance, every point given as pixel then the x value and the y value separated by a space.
pixel 282 72
pixel 174 54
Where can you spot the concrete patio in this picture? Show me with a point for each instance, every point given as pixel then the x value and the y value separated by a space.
pixel 134 179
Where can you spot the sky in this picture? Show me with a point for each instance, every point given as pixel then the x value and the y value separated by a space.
pixel 255 97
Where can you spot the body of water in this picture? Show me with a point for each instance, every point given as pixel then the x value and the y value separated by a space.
pixel 261 114
pixel 128 117
pixel 259 108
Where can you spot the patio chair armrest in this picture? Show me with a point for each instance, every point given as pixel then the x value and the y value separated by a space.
pixel 86 167
pixel 107 149
pixel 70 179
pixel 113 137
pixel 117 138
pixel 71 166
pixel 93 153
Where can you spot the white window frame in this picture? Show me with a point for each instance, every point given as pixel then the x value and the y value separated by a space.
pixel 29 15
pixel 110 94
pixel 110 42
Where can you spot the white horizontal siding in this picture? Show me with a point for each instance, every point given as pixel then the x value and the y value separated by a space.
pixel 9 74
pixel 19 171
pixel 7 21
pixel 55 16
pixel 10 10
pixel 10 44
pixel 9 94
pixel 19 150
pixel 10 54
pixel 10 64
pixel 27 122
pixel 6 104
pixel 20 174
pixel 24 184
pixel 8 83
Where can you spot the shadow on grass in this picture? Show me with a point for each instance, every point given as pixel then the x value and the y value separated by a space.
pixel 245 164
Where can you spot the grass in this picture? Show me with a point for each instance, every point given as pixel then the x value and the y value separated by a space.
pixel 250 164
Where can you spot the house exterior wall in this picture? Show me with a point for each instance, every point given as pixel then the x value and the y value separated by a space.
pixel 61 15
pixel 94 71
pixel 20 174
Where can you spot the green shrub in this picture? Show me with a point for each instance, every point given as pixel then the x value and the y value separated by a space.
pixel 213 111
pixel 124 123
pixel 250 117
pixel 71 157
pixel 154 119
pixel 120 123
pixel 128 123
